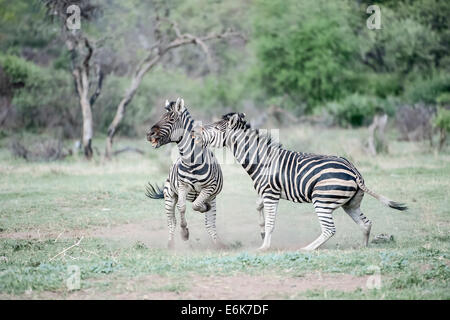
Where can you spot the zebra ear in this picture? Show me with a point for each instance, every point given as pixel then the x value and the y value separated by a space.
pixel 233 121
pixel 179 105
pixel 167 104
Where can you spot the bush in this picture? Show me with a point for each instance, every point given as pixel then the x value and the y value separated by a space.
pixel 380 85
pixel 428 90
pixel 402 45
pixel 442 119
pixel 414 122
pixel 46 96
pixel 442 122
pixel 444 99
pixel 305 49
pixel 20 70
pixel 45 150
pixel 355 110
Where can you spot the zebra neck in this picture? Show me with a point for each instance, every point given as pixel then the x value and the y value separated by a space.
pixel 189 151
pixel 253 151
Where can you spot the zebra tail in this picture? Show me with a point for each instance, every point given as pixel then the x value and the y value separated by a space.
pixel 154 192
pixel 383 199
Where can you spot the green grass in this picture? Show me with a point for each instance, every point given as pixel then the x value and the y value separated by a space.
pixel 77 198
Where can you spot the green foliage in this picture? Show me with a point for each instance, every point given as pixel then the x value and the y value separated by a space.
pixel 402 45
pixel 443 99
pixel 428 89
pixel 45 94
pixel 20 70
pixel 23 24
pixel 381 85
pixel 354 110
pixel 434 14
pixel 442 119
pixel 105 267
pixel 304 49
pixel 301 55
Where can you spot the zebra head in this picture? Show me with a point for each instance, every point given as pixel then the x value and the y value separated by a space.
pixel 218 133
pixel 170 128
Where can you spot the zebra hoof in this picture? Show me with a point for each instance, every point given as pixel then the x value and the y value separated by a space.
pixel 263 234
pixel 205 208
pixel 171 244
pixel 185 234
pixel 220 246
pixel 263 249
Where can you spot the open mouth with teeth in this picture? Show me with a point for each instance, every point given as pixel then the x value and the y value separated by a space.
pixel 154 141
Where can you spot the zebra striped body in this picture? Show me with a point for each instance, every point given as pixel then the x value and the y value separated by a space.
pixel 211 180
pixel 328 182
pixel 196 176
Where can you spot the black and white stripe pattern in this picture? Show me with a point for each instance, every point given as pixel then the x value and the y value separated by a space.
pixel 328 182
pixel 196 176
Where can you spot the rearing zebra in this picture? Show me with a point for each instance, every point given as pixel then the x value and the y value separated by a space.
pixel 329 182
pixel 196 176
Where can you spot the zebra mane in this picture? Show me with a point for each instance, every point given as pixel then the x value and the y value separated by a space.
pixel 267 136
pixel 170 106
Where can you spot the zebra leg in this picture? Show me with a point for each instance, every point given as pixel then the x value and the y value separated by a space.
pixel 354 211
pixel 170 201
pixel 262 222
pixel 327 225
pixel 270 211
pixel 210 224
pixel 201 203
pixel 184 228
pixel 181 205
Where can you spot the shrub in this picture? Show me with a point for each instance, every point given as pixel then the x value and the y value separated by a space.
pixel 428 90
pixel 305 49
pixel 354 110
pixel 20 70
pixel 45 98
pixel 402 45
pixel 381 85
pixel 442 122
pixel 444 99
pixel 414 122
pixel 46 150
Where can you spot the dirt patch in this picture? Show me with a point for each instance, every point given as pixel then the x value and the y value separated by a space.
pixel 197 287
pixel 268 287
pixel 128 231
pixel 153 233
pixel 36 234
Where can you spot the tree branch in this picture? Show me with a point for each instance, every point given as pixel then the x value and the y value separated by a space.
pixel 152 58
pixel 88 56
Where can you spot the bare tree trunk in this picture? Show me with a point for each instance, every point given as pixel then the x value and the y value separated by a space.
pixel 377 141
pixel 82 85
pixel 88 128
pixel 75 40
pixel 442 138
pixel 81 77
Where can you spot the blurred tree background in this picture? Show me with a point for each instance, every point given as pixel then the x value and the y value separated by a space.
pixel 309 58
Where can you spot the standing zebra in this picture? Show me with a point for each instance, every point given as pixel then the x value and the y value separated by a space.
pixel 196 176
pixel 329 182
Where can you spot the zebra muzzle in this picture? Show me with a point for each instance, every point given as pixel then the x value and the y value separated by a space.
pixel 153 137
